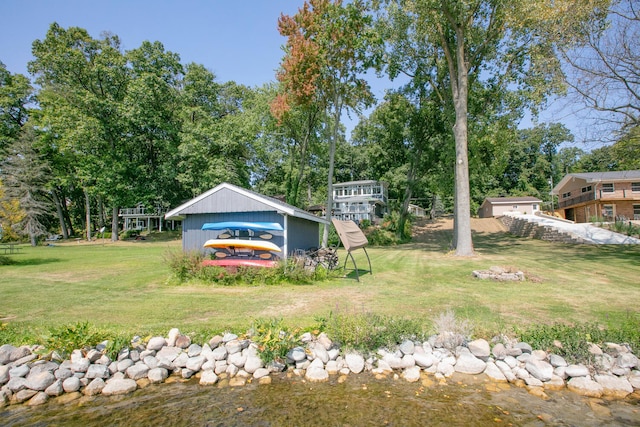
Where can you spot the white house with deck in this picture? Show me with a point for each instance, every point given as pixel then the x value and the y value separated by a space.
pixel 360 200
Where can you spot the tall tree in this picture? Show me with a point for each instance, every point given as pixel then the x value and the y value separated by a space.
pixel 84 82
pixel 325 54
pixel 454 44
pixel 15 94
pixel 25 175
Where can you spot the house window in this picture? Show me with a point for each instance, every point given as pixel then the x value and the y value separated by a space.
pixel 635 187
pixel 607 187
pixel 586 189
pixel 607 211
pixel 636 212
pixel 566 195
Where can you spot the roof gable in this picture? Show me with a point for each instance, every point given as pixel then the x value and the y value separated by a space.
pixel 227 198
pixel 593 177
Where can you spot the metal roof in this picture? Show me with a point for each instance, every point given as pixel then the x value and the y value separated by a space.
pixel 218 200
pixel 510 200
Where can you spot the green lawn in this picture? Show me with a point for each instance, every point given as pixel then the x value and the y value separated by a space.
pixel 128 287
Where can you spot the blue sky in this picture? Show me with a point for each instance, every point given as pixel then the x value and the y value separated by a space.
pixel 238 40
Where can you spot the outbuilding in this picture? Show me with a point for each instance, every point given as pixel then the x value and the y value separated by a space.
pixel 497 206
pixel 227 202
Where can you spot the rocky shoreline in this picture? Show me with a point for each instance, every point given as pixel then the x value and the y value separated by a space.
pixel 26 378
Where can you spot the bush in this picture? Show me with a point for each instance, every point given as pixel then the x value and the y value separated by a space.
pixel 5 260
pixel 274 339
pixel 184 265
pixel 66 338
pixel 369 331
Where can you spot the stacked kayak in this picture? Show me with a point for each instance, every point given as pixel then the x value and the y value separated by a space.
pixel 243 244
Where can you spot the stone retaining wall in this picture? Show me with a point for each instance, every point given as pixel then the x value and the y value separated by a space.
pixel 26 378
pixel 523 228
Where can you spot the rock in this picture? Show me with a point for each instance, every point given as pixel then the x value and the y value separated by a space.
pixel 42 366
pixel 595 349
pixel 229 337
pixel 137 371
pixel 237 381
pixel 324 341
pixel 39 399
pixel 215 341
pixel 467 363
pixel 332 367
pixel 533 382
pixel 574 371
pixel 316 374
pixel 208 377
pixel 411 374
pixel 181 360
pixel 539 369
pixel 407 347
pixel 494 373
pixel 479 348
pixel 355 362
pixel 94 387
pixel 614 386
pixel 557 361
pixel 233 346
pixel 6 353
pixel 98 371
pixel 156 343
pixel 94 355
pixel 555 383
pixel 447 369
pixel 194 350
pixel 514 351
pixel 408 361
pixel 393 361
pixel 123 365
pixel 157 375
pixel 150 361
pixel 524 347
pixel 39 381
pixel 320 352
pixel 260 373
pixel 195 363
pixel 539 354
pixel 499 351
pixel 297 354
pixel 253 363
pixel 238 359
pixel 24 395
pixel 424 360
pixel 173 335
pixel 183 341
pixel 80 365
pixel 627 360
pixel 16 384
pixel 119 386
pixel 585 386
pixel 19 371
pixel 71 384
pixel 4 374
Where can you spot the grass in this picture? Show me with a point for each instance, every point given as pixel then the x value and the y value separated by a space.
pixel 127 287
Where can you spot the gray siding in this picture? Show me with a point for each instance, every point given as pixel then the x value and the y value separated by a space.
pixel 302 234
pixel 227 201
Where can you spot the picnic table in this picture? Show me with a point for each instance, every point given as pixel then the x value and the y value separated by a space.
pixel 10 248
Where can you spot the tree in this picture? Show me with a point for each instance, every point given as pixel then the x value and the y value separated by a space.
pixel 25 175
pixel 455 45
pixel 15 93
pixel 603 67
pixel 325 54
pixel 84 82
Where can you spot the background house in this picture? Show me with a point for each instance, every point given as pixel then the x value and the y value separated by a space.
pixel 227 202
pixel 584 197
pixel 497 206
pixel 360 200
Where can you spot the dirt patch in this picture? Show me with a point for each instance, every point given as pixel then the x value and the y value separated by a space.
pixel 441 229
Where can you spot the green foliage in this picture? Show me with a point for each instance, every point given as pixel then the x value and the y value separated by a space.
pixel 189 266
pixel 370 331
pixel 274 339
pixel 64 339
pixel 115 344
pixel 5 260
pixel 15 334
pixel 184 265
pixel 575 339
pixel 386 234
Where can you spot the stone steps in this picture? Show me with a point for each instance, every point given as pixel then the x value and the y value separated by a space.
pixel 524 228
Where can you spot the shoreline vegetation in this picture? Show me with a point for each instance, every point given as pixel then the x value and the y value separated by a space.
pixel 575 297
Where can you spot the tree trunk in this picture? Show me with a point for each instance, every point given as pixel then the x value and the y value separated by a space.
pixel 60 213
pixel 463 243
pixel 332 154
pixel 114 224
pixel 87 206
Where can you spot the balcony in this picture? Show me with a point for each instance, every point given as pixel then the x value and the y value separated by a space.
pixel 141 211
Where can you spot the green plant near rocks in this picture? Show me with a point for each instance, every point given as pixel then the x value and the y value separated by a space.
pixel 274 339
pixel 572 341
pixel 450 331
pixel 369 331
pixel 64 339
pixel 116 344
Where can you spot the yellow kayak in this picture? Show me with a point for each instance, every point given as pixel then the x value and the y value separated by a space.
pixel 258 245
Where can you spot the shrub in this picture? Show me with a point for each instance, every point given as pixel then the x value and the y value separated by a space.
pixel 5 260
pixel 64 339
pixel 184 265
pixel 369 331
pixel 451 332
pixel 12 333
pixel 274 339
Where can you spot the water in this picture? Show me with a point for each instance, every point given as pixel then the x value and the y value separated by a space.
pixel 360 400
